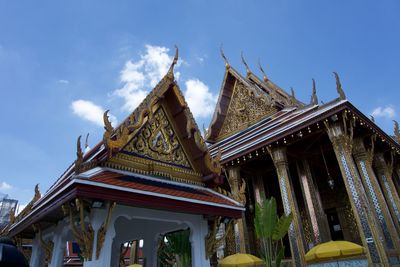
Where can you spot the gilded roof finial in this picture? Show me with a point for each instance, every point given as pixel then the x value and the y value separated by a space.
pixel 224 57
pixel 87 141
pixel 314 97
pixel 292 99
pixel 396 131
pixel 248 71
pixel 339 88
pixel 37 195
pixel 79 155
pixel 372 118
pixel 205 131
pixel 107 124
pixel 170 73
pixel 262 70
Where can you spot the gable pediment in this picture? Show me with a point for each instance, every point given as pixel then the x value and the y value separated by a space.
pixel 246 107
pixel 158 141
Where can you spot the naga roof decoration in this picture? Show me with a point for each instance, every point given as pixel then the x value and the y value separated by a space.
pixel 23 213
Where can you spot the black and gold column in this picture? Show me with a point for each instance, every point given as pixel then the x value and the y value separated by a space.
pixel 296 239
pixel 342 139
pixel 315 212
pixel 238 190
pixel 375 196
pixel 384 171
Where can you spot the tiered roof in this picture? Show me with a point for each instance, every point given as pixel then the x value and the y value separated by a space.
pixel 155 158
pixel 244 101
pixel 252 113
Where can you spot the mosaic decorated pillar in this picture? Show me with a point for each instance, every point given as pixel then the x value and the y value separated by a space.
pixel 313 204
pixel 342 140
pixel 384 171
pixel 240 228
pixel 258 187
pixel 375 196
pixel 296 239
pixel 397 173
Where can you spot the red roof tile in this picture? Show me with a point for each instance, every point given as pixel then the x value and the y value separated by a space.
pixel 155 185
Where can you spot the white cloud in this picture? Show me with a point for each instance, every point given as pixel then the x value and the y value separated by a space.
pixel 63 81
pixel 87 110
pixel 5 186
pixel 199 98
pixel 384 112
pixel 139 77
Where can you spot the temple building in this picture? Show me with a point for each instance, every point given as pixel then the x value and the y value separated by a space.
pixel 328 164
pixel 151 175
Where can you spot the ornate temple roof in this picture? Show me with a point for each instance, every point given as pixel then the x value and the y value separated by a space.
pixel 155 158
pixel 279 121
pixel 244 101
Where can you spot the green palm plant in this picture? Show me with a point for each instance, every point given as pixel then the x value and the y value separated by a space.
pixel 270 229
pixel 176 249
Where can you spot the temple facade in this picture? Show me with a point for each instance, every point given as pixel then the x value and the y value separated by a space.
pixel 328 164
pixel 151 176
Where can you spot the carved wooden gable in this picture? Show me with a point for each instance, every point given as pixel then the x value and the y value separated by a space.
pixel 157 141
pixel 246 107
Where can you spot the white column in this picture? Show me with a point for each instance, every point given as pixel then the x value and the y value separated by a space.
pixel 97 218
pixel 37 257
pixel 197 240
pixel 59 241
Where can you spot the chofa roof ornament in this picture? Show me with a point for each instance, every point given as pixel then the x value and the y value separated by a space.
pixel 170 73
pixel 262 70
pixel 314 97
pixel 114 140
pixel 339 88
pixel 227 65
pixel 248 71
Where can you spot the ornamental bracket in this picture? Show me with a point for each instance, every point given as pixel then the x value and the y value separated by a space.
pixel 85 235
pixel 46 245
pixel 211 241
pixel 101 233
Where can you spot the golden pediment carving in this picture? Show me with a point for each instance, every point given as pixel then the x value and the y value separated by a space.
pixel 245 108
pixel 158 141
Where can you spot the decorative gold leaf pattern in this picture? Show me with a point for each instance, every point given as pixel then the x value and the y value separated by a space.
pixel 157 140
pixel 245 109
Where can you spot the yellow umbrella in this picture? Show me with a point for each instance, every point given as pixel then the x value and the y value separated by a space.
pixel 240 260
pixel 334 250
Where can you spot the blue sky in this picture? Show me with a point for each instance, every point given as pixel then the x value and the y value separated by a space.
pixel 62 63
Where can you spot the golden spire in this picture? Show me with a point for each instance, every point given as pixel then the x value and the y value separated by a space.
pixel 227 66
pixel 248 71
pixel 339 88
pixel 314 97
pixel 170 73
pixel 262 70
